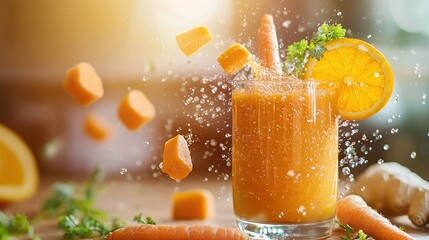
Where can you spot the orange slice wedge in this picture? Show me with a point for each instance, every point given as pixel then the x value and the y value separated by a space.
pixel 361 75
pixel 19 178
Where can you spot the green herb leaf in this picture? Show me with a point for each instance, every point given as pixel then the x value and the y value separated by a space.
pixel 16 224
pixel 140 219
pixel 298 52
pixel 362 235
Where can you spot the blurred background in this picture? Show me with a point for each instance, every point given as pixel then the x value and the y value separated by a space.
pixel 131 44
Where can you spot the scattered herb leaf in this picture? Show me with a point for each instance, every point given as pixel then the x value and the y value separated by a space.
pixel 348 230
pixel 140 219
pixel 17 224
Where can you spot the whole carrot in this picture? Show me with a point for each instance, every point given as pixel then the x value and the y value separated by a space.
pixel 268 46
pixel 354 211
pixel 176 232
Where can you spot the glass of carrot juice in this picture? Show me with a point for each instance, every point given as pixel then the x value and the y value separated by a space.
pixel 284 158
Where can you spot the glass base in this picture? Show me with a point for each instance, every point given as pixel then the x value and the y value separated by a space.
pixel 319 230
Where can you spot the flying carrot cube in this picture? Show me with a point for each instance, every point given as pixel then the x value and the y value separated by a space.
pixel 135 110
pixel 189 42
pixel 177 162
pixel 83 84
pixel 193 204
pixel 234 58
pixel 97 127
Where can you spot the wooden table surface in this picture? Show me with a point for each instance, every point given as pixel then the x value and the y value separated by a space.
pixel 151 197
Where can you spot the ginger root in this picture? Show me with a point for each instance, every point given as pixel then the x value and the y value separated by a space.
pixel 394 190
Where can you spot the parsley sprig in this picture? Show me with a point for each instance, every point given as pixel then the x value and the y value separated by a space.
pixel 299 52
pixel 348 230
pixel 77 216
pixel 18 224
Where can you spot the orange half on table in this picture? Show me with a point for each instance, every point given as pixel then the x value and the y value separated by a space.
pixel 19 178
pixel 361 75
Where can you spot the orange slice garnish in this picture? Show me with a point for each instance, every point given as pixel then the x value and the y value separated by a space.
pixel 361 75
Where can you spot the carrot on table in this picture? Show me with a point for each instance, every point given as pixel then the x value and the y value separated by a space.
pixel 190 41
pixel 135 110
pixel 193 204
pixel 83 84
pixel 176 232
pixel 177 162
pixel 354 211
pixel 268 46
pixel 97 127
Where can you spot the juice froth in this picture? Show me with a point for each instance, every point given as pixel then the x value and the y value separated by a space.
pixel 285 152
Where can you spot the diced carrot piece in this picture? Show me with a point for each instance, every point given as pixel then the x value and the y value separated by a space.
pixel 234 58
pixel 193 204
pixel 97 127
pixel 177 162
pixel 135 110
pixel 190 41
pixel 83 84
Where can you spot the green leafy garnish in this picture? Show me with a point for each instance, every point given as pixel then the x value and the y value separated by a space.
pixel 75 211
pixel 140 219
pixel 299 52
pixel 18 224
pixel 348 230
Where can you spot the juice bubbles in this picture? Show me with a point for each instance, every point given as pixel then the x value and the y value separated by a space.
pixel 285 155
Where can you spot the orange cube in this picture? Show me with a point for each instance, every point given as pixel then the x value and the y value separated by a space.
pixel 193 204
pixel 234 58
pixel 177 162
pixel 189 42
pixel 135 110
pixel 96 127
pixel 83 84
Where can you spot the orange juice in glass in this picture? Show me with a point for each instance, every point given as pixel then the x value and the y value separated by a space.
pixel 284 158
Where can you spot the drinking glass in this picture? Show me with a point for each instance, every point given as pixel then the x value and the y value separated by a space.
pixel 284 158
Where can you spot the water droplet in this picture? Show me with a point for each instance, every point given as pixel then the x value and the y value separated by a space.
pixel 424 98
pixel 160 165
pixel 346 170
pixel 281 214
pixel 413 155
pixel 362 188
pixel 286 23
pixel 290 173
pixel 301 209
pixel 417 70
pixel 389 120
pixel 377 74
pixel 386 147
pixel 380 161
pixel 396 98
pixel 394 130
pixel 369 36
pixel 123 171
pixel 145 144
pixel 339 13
